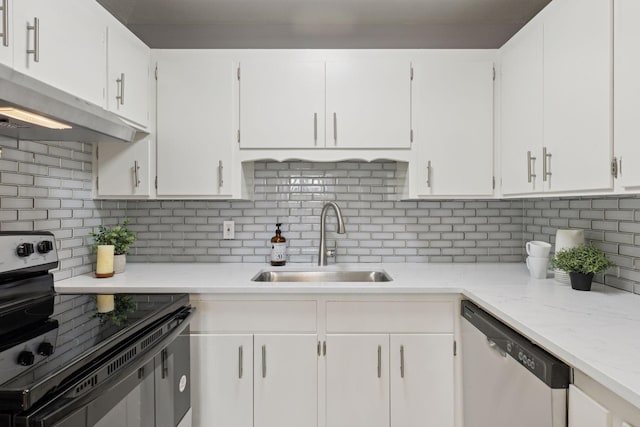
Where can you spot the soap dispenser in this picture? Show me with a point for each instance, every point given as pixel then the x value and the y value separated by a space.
pixel 278 248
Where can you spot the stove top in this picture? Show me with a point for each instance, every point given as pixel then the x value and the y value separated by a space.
pixel 80 339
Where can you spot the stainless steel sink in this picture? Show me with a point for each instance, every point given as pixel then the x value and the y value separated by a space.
pixel 322 276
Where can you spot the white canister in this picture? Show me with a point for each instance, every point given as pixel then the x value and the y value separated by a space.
pixel 566 239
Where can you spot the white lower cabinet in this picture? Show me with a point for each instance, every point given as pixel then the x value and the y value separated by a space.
pixel 262 380
pixel 422 380
pixel 357 380
pixel 222 380
pixel 285 381
pixel 319 363
pixel 586 412
pixel 397 380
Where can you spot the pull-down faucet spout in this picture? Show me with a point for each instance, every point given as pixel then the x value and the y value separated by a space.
pixel 322 255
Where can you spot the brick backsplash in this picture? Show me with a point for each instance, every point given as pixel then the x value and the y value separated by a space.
pixel 610 223
pixel 47 186
pixel 378 228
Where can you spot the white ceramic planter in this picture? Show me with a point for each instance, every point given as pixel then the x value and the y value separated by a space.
pixel 119 263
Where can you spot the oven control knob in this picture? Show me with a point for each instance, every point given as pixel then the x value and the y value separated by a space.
pixel 26 358
pixel 45 246
pixel 45 349
pixel 25 249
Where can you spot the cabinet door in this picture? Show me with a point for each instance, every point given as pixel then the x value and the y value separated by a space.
pixel 577 94
pixel 627 91
pixel 368 103
pixel 586 412
pixel 454 127
pixel 285 376
pixel 6 30
pixel 357 380
pixel 124 169
pixel 222 380
pixel 195 124
pixel 281 103
pixel 172 382
pixel 522 79
pixel 128 74
pixel 422 381
pixel 71 45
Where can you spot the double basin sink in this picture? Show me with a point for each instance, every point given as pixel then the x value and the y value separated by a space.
pixel 322 276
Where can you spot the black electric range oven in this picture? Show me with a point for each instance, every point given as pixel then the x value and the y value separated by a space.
pixel 63 365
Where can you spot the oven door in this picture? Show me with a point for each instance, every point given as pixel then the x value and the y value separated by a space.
pixel 152 391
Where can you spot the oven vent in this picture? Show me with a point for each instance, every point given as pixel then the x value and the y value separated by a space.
pixel 122 360
pixel 88 383
pixel 151 339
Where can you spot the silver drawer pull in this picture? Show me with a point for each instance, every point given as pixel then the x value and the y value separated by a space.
pixel 429 174
pixel 530 160
pixel 120 96
pixel 36 40
pixel 220 175
pixel 401 361
pixel 240 363
pixel 335 128
pixel 136 170
pixel 379 361
pixel 264 361
pixel 315 128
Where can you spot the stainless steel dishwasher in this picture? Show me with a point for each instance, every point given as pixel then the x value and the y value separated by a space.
pixel 507 380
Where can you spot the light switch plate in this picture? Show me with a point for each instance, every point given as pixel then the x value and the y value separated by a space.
pixel 228 230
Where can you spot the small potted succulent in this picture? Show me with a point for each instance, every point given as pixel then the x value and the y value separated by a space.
pixel 581 262
pixel 120 237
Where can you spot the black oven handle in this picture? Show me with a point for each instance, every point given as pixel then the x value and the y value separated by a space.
pixel 54 412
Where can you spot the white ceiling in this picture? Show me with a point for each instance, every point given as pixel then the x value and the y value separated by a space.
pixel 324 23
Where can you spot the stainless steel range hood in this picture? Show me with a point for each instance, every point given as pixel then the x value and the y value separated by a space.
pixel 88 122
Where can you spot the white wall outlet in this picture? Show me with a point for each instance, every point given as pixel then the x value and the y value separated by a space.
pixel 228 230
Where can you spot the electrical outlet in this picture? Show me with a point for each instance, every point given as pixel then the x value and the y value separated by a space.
pixel 228 230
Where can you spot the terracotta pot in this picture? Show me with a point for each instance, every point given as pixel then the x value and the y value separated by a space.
pixel 119 263
pixel 581 281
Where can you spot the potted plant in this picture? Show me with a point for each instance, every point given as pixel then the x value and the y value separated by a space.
pixel 581 262
pixel 120 237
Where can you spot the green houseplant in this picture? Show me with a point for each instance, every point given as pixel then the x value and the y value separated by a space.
pixel 119 316
pixel 120 237
pixel 581 262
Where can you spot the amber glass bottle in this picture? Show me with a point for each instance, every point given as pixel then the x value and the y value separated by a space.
pixel 278 248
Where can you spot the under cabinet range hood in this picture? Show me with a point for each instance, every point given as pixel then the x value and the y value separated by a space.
pixel 33 110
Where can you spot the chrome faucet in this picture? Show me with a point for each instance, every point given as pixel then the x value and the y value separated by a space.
pixel 322 255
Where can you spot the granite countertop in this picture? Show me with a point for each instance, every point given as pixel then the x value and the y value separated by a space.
pixel 597 332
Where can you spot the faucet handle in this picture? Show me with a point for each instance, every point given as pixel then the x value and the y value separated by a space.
pixel 331 252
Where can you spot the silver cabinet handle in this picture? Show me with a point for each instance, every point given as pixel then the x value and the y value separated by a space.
pixel 240 362
pixel 264 361
pixel 36 39
pixel 530 160
pixel 335 128
pixel 120 82
pixel 315 128
pixel 5 22
pixel 319 349
pixel 429 174
pixel 136 169
pixel 220 174
pixel 401 361
pixel 546 167
pixel 379 361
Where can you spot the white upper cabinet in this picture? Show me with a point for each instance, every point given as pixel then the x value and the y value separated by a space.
pixel 6 32
pixel 578 74
pixel 281 103
pixel 627 91
pixel 128 61
pixel 62 43
pixel 195 131
pixel 522 79
pixel 560 141
pixel 368 103
pixel 453 126
pixel 124 169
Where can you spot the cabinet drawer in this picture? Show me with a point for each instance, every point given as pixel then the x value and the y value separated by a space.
pixel 254 316
pixel 390 317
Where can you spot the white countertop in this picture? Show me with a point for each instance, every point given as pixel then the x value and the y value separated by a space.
pixel 597 332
